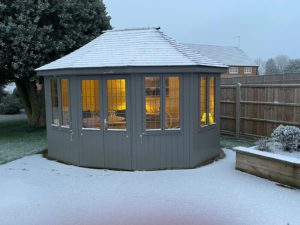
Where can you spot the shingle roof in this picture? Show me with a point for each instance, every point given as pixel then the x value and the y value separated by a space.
pixel 131 47
pixel 231 56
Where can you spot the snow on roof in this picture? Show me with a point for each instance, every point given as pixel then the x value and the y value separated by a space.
pixel 131 47
pixel 229 55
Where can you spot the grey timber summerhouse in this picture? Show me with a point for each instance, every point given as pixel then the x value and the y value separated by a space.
pixel 133 99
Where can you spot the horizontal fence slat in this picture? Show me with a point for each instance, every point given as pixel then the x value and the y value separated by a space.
pixel 270 121
pixel 264 104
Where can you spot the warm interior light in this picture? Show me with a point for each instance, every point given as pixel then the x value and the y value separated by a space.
pixel 116 94
pixel 90 95
pixel 210 118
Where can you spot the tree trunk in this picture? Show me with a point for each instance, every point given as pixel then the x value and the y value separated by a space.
pixel 33 99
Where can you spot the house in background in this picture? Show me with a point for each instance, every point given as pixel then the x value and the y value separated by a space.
pixel 239 64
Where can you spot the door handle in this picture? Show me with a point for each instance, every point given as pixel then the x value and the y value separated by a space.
pixel 141 138
pixel 71 135
pixel 105 124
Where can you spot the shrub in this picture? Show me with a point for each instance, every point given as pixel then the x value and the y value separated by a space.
pixel 288 136
pixel 10 104
pixel 262 144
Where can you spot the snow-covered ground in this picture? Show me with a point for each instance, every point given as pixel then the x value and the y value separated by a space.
pixel 37 191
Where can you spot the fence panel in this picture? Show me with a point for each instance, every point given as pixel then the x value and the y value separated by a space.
pixel 254 109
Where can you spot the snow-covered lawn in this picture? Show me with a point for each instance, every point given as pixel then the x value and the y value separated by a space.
pixel 36 191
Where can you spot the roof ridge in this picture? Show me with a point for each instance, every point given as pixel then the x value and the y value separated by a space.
pixel 175 45
pixel 186 51
pixel 132 29
pixel 231 46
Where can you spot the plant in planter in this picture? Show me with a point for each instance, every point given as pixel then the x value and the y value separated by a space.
pixel 263 144
pixel 287 136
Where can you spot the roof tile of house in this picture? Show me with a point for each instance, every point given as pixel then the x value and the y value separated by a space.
pixel 229 55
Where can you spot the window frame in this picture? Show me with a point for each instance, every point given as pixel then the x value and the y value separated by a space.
pixel 207 125
pixel 163 129
pixel 236 70
pixel 81 105
pixel 246 71
pixel 105 101
pixel 208 109
pixel 59 95
pixel 51 103
pixel 69 105
pixel 164 103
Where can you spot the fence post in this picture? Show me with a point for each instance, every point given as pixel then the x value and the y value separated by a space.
pixel 238 109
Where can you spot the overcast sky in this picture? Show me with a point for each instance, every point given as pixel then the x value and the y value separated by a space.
pixel 266 28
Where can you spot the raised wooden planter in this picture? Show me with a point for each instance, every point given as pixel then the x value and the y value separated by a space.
pixel 282 169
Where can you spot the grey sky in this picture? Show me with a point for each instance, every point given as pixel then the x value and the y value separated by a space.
pixel 267 28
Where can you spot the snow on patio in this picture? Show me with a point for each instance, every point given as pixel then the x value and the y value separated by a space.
pixel 37 191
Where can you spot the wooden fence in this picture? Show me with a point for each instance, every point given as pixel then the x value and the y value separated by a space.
pixel 285 78
pixel 256 109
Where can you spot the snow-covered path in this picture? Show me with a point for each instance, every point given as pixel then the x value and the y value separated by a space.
pixel 37 191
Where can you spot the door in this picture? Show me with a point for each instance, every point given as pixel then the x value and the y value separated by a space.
pixel 117 123
pixel 105 139
pixel 90 123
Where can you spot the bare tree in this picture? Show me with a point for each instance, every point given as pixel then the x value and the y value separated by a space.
pixel 271 67
pixel 261 65
pixel 282 61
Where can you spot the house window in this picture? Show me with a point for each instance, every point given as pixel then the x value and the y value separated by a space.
pixel 172 103
pixel 170 97
pixel 233 70
pixel 65 109
pixel 116 104
pixel 90 104
pixel 207 100
pixel 54 102
pixel 248 70
pixel 152 106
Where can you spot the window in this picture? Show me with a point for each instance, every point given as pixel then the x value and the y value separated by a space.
pixel 203 101
pixel 152 106
pixel 233 70
pixel 207 100
pixel 172 103
pixel 171 99
pixel 60 109
pixel 212 81
pixel 248 70
pixel 116 104
pixel 65 109
pixel 90 104
pixel 54 102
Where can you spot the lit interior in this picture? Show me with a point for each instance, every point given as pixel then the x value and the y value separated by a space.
pixel 172 104
pixel 65 102
pixel 152 102
pixel 203 101
pixel 90 104
pixel 116 104
pixel 211 100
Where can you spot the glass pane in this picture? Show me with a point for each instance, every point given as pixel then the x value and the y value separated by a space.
pixel 90 104
pixel 116 104
pixel 65 109
pixel 212 100
pixel 152 106
pixel 54 101
pixel 172 103
pixel 203 101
